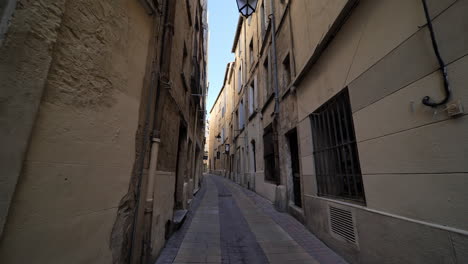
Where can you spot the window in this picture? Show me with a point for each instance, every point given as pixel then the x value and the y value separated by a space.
pixel 254 158
pixel 239 44
pixel 286 72
pixel 189 14
pixel 195 50
pixel 241 115
pixel 271 174
pixel 237 118
pixel 252 99
pixel 251 53
pixel 263 18
pixel 222 134
pixel 189 157
pixel 336 157
pixel 184 57
pixel 222 104
pixel 266 74
pixel 239 78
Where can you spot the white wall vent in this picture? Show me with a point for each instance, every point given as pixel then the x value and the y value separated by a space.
pixel 342 225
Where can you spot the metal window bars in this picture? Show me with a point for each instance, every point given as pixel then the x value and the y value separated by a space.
pixel 336 158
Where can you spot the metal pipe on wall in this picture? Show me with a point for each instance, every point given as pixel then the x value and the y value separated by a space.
pixel 443 69
pixel 275 59
pixel 152 173
pixel 276 87
pixel 142 223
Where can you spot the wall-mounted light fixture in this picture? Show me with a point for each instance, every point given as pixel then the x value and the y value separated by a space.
pixel 247 7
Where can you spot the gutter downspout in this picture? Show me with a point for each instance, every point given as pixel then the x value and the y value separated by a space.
pixel 163 83
pixel 149 199
pixel 275 59
pixel 275 84
pixel 136 246
pixel 280 194
pixel 248 67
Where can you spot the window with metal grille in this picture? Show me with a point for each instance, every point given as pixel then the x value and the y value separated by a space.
pixel 337 167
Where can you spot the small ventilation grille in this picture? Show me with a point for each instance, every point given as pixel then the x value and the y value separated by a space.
pixel 342 224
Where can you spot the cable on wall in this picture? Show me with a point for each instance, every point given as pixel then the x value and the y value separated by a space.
pixel 443 69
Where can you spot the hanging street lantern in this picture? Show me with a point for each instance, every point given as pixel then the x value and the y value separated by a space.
pixel 247 7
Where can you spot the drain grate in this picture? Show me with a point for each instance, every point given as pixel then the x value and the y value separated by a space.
pixel 342 224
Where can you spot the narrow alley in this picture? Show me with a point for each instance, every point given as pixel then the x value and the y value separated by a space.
pixel 234 131
pixel 230 224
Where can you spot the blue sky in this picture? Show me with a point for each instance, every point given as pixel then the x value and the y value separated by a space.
pixel 222 19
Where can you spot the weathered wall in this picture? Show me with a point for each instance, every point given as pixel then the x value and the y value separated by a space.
pixel 25 57
pixel 176 181
pixel 81 153
pixel 162 208
pixel 7 7
pixel 411 155
pixel 311 20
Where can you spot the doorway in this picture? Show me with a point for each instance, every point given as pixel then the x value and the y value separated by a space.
pixel 295 167
pixel 180 167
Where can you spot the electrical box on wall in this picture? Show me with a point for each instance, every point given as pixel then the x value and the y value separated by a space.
pixel 455 108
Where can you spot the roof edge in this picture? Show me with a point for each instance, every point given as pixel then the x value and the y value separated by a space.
pixel 236 37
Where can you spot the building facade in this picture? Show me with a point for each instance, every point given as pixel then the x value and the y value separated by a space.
pixel 329 119
pixel 101 124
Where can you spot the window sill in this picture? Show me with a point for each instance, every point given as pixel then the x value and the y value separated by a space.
pixel 286 91
pixel 240 90
pixel 253 114
pixel 240 132
pixel 342 200
pixel 268 101
pixel 253 66
pixel 272 182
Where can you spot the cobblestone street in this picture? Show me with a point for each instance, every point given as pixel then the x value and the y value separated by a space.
pixel 229 224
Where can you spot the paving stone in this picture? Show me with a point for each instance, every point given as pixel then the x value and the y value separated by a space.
pixel 232 225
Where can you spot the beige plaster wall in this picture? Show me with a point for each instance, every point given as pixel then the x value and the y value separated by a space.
pixel 81 152
pixel 404 75
pixel 412 157
pixel 164 187
pixel 311 20
pixel 25 58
